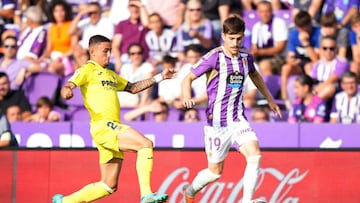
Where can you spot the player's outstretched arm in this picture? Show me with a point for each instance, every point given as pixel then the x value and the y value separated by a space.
pixel 144 84
pixel 66 90
pixel 188 102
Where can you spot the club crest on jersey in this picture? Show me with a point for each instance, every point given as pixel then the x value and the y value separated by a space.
pixel 235 80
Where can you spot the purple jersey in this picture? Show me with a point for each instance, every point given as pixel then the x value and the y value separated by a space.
pixel 315 110
pixel 345 109
pixel 322 71
pixel 225 81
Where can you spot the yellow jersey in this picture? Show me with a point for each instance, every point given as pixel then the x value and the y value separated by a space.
pixel 99 88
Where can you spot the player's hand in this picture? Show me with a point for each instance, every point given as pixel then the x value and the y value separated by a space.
pixel 67 93
pixel 275 109
pixel 188 103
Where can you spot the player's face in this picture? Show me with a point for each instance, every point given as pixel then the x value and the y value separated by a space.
pixel 232 43
pixel 101 53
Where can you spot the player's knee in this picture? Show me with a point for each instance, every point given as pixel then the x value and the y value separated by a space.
pixel 147 144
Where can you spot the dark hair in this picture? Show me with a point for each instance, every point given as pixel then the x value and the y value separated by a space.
pixel 169 60
pixel 349 74
pixel 186 110
pixel 10 37
pixel 302 19
pixel 96 39
pixel 155 14
pixel 3 74
pixel 305 80
pixel 233 25
pixel 328 20
pixel 65 5
pixel 135 44
pixel 331 37
pixel 193 47
pixel 95 3
pixel 44 101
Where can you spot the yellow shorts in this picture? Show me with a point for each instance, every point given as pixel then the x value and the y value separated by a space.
pixel 105 136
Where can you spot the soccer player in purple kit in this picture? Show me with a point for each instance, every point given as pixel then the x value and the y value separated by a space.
pixel 226 67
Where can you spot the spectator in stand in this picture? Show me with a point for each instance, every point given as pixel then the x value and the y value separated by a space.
pixel 307 107
pixel 136 70
pixel 313 7
pixel 191 116
pixel 45 111
pixel 330 27
pixel 7 138
pixel 302 51
pixel 169 90
pixel 59 43
pixel 170 11
pixel 269 39
pixel 159 111
pixel 16 69
pixel 13 113
pixel 7 9
pixel 253 4
pixel 119 10
pixel 260 114
pixel 192 56
pixel 32 40
pixel 196 29
pixel 93 24
pixel 343 10
pixel 329 69
pixel 132 30
pixel 160 40
pixel 217 11
pixel 346 105
pixel 355 44
pixel 10 97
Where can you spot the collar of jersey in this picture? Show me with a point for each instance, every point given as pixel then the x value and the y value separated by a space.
pixel 95 64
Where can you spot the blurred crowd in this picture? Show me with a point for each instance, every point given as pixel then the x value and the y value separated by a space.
pixel 309 56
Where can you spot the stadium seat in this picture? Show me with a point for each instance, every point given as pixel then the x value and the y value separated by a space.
pixel 80 114
pixel 273 82
pixel 41 84
pixel 285 14
pixel 251 17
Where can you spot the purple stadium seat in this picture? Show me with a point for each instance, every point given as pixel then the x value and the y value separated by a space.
pixel 273 82
pixel 80 114
pixel 251 17
pixel 285 14
pixel 41 84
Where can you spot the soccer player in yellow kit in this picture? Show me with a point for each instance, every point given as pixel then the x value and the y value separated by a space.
pixel 99 87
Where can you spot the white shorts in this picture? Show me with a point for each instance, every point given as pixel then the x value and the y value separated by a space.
pixel 218 140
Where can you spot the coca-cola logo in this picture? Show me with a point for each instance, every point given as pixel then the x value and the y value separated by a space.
pixel 231 192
